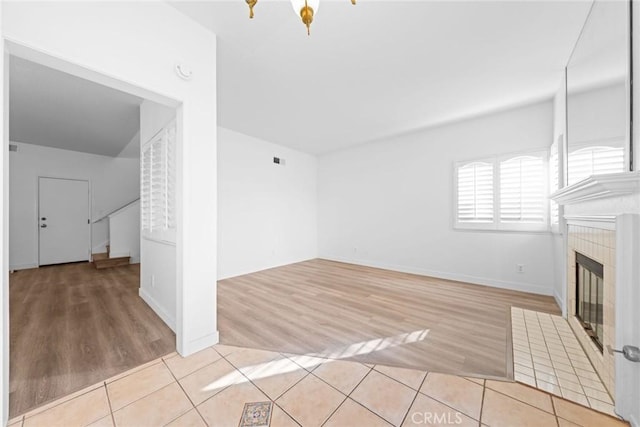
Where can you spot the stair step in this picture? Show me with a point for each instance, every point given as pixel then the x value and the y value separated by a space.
pixel 111 262
pixel 103 255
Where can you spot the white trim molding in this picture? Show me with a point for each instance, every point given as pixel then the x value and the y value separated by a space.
pixel 599 187
pixel 158 309
pixel 606 222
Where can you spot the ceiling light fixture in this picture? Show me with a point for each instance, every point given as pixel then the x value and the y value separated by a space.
pixel 306 9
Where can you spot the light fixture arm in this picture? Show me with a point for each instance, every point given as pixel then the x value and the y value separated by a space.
pixel 306 10
pixel 251 4
pixel 306 13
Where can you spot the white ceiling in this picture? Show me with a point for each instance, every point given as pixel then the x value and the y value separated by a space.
pixel 55 109
pixel 381 67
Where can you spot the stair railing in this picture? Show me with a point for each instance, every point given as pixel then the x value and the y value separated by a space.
pixel 116 210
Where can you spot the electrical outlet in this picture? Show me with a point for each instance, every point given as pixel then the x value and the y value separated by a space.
pixel 520 268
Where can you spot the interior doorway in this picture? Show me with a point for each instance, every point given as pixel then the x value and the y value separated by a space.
pixel 78 311
pixel 64 224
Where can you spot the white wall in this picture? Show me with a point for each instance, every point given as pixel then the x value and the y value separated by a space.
pixel 559 244
pixel 4 232
pixel 390 204
pixel 158 275
pixel 114 182
pixel 124 232
pixel 134 47
pixel 266 212
pixel 597 114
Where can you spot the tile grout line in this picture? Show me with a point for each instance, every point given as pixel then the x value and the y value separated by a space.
pixel 293 385
pixel 289 388
pixel 140 398
pixel 347 396
pixel 553 406
pixel 484 391
pixel 546 345
pixel 290 416
pixel 560 335
pixel 185 392
pixel 526 333
pixel 398 381
pixel 91 388
pixel 414 399
pixel 446 404
pixel 335 388
pixel 113 417
pixel 571 363
pixel 527 403
pixel 262 391
pixel 63 399
pixel 234 367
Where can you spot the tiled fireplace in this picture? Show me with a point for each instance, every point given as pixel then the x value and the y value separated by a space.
pixel 589 247
pixel 602 231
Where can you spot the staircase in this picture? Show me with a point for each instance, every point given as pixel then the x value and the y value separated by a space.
pixel 103 260
pixel 124 237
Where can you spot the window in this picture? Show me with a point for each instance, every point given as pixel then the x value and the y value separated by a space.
pixel 594 160
pixel 158 186
pixel 522 191
pixel 475 193
pixel 554 181
pixel 502 193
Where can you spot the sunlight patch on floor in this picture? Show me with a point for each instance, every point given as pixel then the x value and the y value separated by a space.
pixel 284 366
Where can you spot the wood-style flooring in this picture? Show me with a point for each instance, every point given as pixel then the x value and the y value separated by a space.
pixel 73 325
pixel 374 316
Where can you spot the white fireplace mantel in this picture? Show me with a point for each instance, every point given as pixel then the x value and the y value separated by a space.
pixel 599 187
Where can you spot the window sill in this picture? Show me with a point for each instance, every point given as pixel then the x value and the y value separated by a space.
pixel 491 228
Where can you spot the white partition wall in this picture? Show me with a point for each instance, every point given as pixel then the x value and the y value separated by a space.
pixel 135 47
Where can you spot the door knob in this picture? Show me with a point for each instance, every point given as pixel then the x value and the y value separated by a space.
pixel 629 352
pixel 43 226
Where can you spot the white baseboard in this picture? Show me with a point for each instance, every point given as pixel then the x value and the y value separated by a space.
pixel 558 299
pixel 23 266
pixel 502 284
pixel 198 344
pixel 159 310
pixel 134 260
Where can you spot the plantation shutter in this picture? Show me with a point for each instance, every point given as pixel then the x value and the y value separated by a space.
pixel 158 185
pixel 522 190
pixel 475 193
pixel 554 182
pixel 594 161
pixel 145 190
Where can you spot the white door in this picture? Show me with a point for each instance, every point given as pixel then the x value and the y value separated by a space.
pixel 63 220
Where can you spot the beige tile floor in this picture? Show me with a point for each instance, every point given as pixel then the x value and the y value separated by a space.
pixel 211 388
pixel 548 356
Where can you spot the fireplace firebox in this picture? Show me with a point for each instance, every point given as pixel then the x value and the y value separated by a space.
pixel 590 297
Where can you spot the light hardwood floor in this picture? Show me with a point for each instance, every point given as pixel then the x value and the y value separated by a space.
pixel 326 307
pixel 73 325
